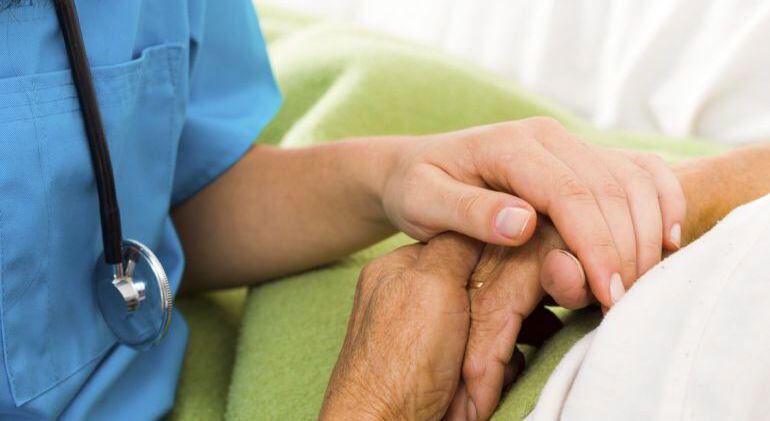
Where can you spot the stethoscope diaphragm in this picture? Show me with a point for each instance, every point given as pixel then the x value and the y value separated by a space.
pixel 137 305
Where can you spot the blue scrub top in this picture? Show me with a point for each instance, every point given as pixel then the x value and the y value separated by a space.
pixel 184 88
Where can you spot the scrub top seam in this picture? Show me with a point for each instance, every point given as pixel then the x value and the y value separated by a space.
pixel 42 145
pixel 75 371
pixel 43 273
pixel 52 101
pixel 65 111
pixel 172 157
pixel 2 306
pixel 45 171
pixel 129 70
pixel 96 78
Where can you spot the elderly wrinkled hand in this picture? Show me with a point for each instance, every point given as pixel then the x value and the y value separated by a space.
pixel 506 288
pixel 407 333
pixel 437 324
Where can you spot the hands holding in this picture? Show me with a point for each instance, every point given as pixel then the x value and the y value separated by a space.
pixel 434 327
pixel 421 345
pixel 615 210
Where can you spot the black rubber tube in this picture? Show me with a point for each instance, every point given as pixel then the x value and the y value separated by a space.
pixel 94 128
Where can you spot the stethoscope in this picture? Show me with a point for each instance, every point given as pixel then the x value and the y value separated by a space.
pixel 131 287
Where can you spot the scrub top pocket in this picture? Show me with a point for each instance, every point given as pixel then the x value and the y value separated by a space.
pixel 50 238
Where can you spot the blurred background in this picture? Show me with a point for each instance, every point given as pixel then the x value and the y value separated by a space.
pixel 676 67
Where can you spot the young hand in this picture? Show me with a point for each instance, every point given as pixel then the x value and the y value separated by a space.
pixel 615 210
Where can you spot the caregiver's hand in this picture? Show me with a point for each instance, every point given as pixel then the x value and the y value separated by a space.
pixel 613 211
pixel 407 333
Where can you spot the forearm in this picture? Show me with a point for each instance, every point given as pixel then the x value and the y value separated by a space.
pixel 284 210
pixel 716 185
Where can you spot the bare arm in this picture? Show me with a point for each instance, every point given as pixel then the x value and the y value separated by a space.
pixel 282 210
pixel 716 185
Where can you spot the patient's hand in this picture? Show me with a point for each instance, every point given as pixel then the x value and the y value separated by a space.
pixel 407 333
pixel 506 288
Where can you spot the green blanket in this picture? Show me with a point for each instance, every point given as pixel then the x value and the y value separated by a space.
pixel 267 353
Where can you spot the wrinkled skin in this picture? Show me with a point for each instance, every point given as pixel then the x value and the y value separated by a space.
pixel 407 334
pixel 512 290
pixel 414 306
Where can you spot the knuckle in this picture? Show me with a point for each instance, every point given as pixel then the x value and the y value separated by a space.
pixel 370 273
pixel 507 130
pixel 673 202
pixel 642 178
pixel 610 189
pixel 488 319
pixel 568 187
pixel 465 206
pixel 649 161
pixel 602 245
pixel 572 296
pixel 366 283
pixel 372 268
pixel 651 244
pixel 428 278
pixel 650 251
pixel 653 158
pixel 427 287
pixel 545 124
pixel 485 307
pixel 473 368
pixel 628 264
pixel 491 313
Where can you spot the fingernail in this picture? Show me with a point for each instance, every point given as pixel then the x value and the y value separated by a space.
pixel 511 222
pixel 676 235
pixel 617 290
pixel 472 415
pixel 577 263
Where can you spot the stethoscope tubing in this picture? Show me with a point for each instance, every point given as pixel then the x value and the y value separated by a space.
pixel 109 210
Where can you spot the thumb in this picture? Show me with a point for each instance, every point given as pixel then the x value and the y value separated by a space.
pixel 563 278
pixel 486 215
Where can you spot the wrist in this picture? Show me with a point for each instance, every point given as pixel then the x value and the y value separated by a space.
pixel 357 401
pixel 716 185
pixel 380 159
pixel 694 181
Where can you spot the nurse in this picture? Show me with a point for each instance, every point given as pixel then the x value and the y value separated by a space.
pixel 184 88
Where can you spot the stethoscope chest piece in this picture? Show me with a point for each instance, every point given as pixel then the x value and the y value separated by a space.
pixel 135 297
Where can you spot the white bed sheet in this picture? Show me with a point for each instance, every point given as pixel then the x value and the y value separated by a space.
pixel 678 67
